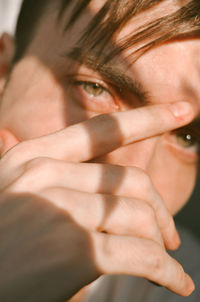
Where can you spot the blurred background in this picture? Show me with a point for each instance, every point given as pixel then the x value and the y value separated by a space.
pixel 189 216
pixel 8 12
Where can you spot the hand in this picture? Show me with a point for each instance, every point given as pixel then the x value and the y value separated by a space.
pixel 41 251
pixel 113 218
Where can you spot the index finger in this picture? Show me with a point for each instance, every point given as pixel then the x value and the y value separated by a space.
pixel 105 133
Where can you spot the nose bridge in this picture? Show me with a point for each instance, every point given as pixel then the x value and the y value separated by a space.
pixel 144 153
pixel 139 154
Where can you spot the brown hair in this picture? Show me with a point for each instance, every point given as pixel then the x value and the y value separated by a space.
pixel 108 21
pixel 28 19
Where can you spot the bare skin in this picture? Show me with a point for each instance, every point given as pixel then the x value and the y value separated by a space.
pixel 146 227
pixel 140 157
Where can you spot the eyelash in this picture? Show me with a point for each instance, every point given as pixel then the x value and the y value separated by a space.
pixel 180 137
pixel 94 102
pixel 84 83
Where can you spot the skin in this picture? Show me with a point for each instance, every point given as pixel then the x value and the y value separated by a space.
pixel 140 157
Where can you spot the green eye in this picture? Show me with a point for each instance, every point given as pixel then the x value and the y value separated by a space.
pixel 93 95
pixel 93 89
pixel 186 140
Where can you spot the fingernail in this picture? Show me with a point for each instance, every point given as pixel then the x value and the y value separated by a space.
pixel 190 285
pixel 181 109
pixel 177 238
pixel 176 241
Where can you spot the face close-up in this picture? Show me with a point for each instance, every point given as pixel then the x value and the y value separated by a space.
pixel 48 91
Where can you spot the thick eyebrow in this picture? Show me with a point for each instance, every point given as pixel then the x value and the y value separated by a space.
pixel 113 73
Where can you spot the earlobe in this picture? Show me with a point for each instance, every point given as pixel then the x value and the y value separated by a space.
pixel 7 50
pixel 7 141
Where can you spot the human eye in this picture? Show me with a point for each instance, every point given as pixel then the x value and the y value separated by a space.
pixel 186 143
pixel 94 95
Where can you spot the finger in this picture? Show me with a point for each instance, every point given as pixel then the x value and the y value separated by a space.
pixel 128 182
pixel 104 133
pixel 142 258
pixel 106 213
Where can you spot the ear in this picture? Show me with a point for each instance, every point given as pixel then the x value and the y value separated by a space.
pixel 7 50
pixel 7 140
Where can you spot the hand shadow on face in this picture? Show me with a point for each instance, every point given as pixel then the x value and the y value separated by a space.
pixel 68 115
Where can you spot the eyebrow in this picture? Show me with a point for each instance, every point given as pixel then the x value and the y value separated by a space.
pixel 122 81
pixel 114 73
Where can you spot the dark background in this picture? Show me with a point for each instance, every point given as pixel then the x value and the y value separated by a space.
pixel 189 216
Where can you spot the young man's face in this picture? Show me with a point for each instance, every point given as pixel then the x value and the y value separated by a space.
pixel 40 99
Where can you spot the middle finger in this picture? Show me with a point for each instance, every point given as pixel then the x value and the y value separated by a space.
pixel 129 182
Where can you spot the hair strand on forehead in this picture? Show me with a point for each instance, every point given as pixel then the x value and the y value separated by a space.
pixel 77 10
pixel 107 22
pixel 99 34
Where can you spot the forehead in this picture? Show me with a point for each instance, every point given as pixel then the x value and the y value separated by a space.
pixel 85 11
pixel 53 34
pixel 172 72
pixel 151 68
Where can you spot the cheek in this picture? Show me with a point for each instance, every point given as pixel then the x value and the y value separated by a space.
pixel 173 178
pixel 133 155
pixel 39 108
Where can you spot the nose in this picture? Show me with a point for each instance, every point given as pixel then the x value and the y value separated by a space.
pixel 139 154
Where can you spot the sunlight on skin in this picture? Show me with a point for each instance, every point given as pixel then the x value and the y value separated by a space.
pixel 44 91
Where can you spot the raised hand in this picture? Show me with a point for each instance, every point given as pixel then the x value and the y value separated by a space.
pixel 128 225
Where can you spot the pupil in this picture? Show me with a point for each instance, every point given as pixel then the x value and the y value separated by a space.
pixel 188 137
pixel 93 89
pixel 95 86
pixel 187 140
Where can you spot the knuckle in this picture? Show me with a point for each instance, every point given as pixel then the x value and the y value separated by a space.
pixel 11 164
pixel 20 183
pixel 125 217
pixel 102 252
pixel 107 247
pixel 17 185
pixel 37 163
pixel 146 185
pixel 146 182
pixel 148 215
pixel 148 226
pixel 156 259
pixel 157 262
pixel 16 154
pixel 28 174
pixel 11 158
